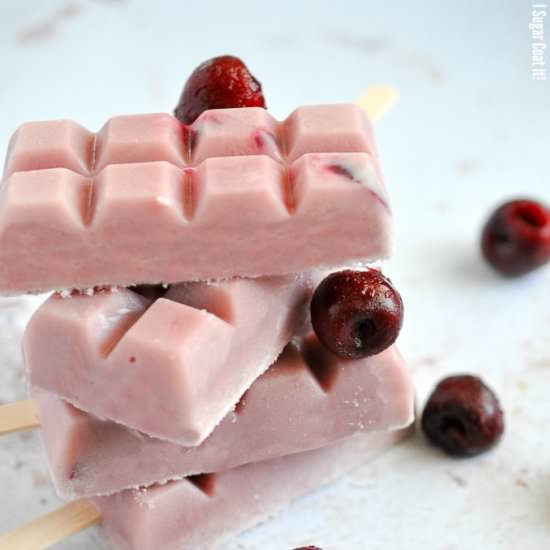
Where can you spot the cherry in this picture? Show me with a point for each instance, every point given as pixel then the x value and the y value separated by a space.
pixel 463 416
pixel 219 83
pixel 516 237
pixel 356 313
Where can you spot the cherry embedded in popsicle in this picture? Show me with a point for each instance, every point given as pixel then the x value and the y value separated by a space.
pixel 356 313
pixel 287 193
pixel 219 83
pixel 516 238
pixel 463 416
pixel 341 170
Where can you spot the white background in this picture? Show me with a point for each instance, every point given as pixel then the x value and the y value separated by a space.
pixel 470 130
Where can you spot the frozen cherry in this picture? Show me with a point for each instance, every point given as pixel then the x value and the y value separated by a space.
pixel 219 83
pixel 516 238
pixel 356 313
pixel 463 416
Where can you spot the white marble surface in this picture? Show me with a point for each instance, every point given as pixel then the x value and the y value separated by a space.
pixel 471 129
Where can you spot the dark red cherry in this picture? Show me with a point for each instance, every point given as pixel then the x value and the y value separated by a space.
pixel 516 238
pixel 356 313
pixel 219 83
pixel 463 416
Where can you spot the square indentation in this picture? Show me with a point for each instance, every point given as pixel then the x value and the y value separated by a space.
pixel 328 129
pixel 205 482
pixel 324 366
pixel 53 198
pixel 322 180
pixel 139 196
pixel 240 191
pixel 173 351
pixel 235 132
pixel 51 144
pixel 216 298
pixel 141 138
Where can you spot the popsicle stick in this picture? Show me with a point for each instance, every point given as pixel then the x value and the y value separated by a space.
pixel 378 100
pixel 52 528
pixel 18 416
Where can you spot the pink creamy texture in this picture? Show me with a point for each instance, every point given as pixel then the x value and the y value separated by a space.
pixel 202 515
pixel 148 200
pixel 295 406
pixel 161 137
pixel 172 368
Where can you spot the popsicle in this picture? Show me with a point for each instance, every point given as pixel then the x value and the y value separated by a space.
pixel 204 511
pixel 304 401
pixel 171 368
pixel 148 200
pixel 216 133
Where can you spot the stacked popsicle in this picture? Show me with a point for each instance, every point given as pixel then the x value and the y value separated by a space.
pixel 185 412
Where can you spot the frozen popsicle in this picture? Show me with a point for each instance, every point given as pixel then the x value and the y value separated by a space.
pixel 216 133
pixel 304 401
pixel 147 200
pixel 171 368
pixel 204 511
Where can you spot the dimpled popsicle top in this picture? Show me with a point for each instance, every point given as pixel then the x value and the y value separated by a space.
pixel 308 398
pixel 185 358
pixel 204 511
pixel 149 199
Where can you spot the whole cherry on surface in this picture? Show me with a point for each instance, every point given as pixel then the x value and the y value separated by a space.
pixel 463 416
pixel 516 238
pixel 219 83
pixel 356 313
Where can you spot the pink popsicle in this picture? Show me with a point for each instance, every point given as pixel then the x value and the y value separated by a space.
pixel 161 137
pixel 203 512
pixel 172 368
pixel 147 200
pixel 302 402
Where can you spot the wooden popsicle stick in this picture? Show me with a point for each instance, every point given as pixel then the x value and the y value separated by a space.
pixel 378 100
pixel 18 416
pixel 52 528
